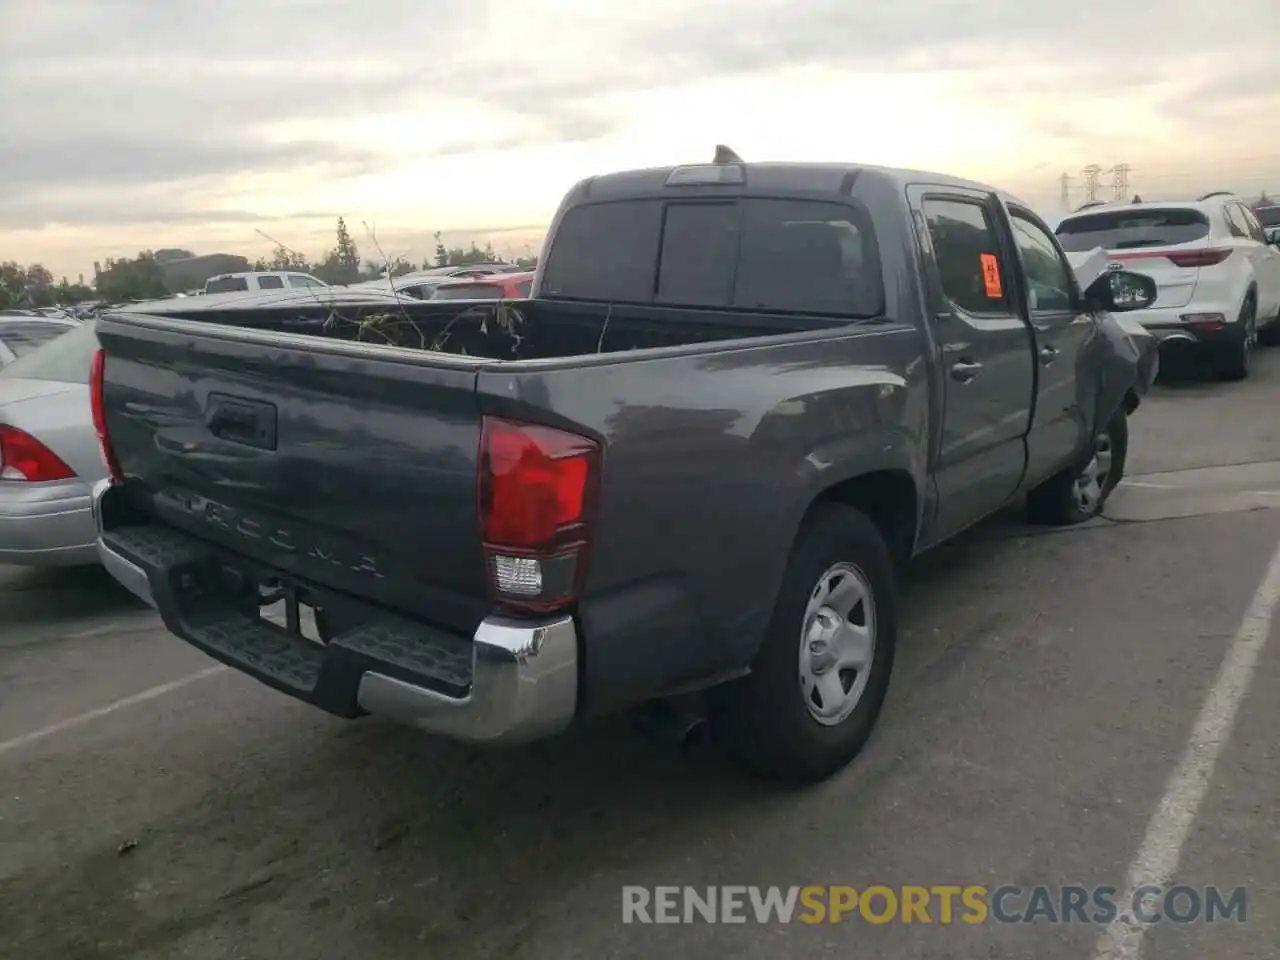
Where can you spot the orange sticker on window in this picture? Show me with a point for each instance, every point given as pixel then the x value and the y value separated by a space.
pixel 991 276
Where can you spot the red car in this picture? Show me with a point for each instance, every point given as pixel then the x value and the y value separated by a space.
pixel 497 286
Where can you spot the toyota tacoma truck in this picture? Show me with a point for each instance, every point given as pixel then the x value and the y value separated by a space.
pixel 738 399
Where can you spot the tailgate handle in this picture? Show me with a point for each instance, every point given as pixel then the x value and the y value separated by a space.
pixel 250 422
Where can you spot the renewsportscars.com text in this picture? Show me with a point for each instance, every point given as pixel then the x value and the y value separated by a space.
pixel 939 904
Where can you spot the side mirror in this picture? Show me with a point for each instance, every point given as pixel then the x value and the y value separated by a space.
pixel 1119 291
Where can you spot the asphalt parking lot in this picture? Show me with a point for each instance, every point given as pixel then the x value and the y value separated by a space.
pixel 1060 715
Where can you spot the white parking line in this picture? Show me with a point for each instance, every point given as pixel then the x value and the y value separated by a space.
pixel 150 694
pixel 1169 826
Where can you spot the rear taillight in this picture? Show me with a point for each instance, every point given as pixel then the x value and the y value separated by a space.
pixel 1208 257
pixel 536 491
pixel 24 458
pixel 97 374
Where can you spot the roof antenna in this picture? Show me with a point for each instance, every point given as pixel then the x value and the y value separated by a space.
pixel 726 155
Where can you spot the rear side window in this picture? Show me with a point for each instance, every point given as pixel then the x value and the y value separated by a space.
pixel 1252 227
pixel 226 285
pixel 469 291
pixel 23 338
pixel 1268 216
pixel 65 359
pixel 270 283
pixel 967 254
pixel 1132 229
pixel 796 256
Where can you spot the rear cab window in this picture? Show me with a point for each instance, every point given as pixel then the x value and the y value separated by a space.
pixel 1133 229
pixel 745 253
pixel 65 359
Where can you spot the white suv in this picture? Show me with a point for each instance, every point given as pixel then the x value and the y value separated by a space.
pixel 1218 279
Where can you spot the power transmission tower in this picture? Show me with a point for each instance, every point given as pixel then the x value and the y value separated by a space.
pixel 1091 174
pixel 1066 191
pixel 1120 181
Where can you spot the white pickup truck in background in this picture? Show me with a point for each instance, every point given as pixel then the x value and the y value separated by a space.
pixel 260 280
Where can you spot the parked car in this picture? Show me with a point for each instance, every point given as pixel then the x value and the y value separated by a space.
pixel 254 280
pixel 738 399
pixel 49 455
pixel 1218 278
pixel 498 286
pixel 22 333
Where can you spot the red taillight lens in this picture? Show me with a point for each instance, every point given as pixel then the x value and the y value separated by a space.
pixel 536 491
pixel 97 374
pixel 1208 257
pixel 23 457
pixel 1201 258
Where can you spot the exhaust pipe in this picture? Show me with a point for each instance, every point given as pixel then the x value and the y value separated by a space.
pixel 672 722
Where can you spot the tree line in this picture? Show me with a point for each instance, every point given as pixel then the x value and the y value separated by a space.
pixel 143 277
pixel 343 263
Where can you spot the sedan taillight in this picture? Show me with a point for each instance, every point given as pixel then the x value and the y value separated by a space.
pixel 24 458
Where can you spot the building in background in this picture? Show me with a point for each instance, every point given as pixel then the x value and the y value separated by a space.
pixel 189 272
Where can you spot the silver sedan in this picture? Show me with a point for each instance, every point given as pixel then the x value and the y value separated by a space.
pixel 49 455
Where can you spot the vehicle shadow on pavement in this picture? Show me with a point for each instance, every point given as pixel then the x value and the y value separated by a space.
pixel 58 594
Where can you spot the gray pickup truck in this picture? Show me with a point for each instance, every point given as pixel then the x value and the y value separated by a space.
pixel 686 469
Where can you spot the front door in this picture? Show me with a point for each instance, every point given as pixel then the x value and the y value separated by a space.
pixel 988 377
pixel 1050 300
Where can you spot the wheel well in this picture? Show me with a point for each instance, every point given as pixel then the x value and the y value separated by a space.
pixel 888 498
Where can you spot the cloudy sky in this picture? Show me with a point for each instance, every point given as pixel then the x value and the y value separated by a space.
pixel 129 124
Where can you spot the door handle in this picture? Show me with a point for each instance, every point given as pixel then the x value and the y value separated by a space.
pixel 965 370
pixel 1048 354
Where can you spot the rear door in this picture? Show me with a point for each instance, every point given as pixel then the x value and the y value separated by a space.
pixel 1268 266
pixel 1051 304
pixel 986 348
pixel 1167 244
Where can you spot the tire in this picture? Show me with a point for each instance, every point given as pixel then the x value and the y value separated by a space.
pixel 769 720
pixel 1235 366
pixel 1269 336
pixel 1058 501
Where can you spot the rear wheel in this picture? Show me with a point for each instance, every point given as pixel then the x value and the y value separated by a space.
pixel 820 678
pixel 1079 494
pixel 1237 363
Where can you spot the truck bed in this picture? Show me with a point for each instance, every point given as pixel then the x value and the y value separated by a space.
pixel 503 330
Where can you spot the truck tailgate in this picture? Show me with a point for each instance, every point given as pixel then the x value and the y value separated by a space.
pixel 353 468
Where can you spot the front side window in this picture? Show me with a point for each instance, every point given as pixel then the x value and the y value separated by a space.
pixel 1048 276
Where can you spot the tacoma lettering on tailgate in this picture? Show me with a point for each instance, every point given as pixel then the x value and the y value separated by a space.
pixel 228 519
